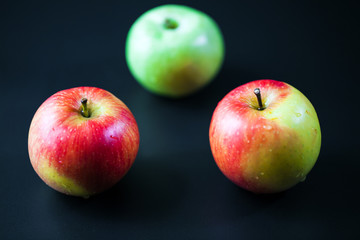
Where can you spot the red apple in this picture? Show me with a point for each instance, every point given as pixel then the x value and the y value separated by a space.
pixel 265 136
pixel 82 141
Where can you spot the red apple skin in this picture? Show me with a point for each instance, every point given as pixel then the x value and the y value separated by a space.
pixel 270 150
pixel 82 156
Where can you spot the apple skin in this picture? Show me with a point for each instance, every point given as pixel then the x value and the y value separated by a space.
pixel 270 150
pixel 174 62
pixel 82 156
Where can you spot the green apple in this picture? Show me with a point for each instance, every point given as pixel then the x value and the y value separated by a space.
pixel 174 50
pixel 265 136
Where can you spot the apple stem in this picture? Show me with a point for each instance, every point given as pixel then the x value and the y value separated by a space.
pixel 258 95
pixel 84 111
pixel 170 23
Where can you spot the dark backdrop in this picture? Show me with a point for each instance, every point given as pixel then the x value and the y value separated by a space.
pixel 174 189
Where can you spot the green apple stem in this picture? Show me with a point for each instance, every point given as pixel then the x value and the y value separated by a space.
pixel 85 111
pixel 258 95
pixel 170 23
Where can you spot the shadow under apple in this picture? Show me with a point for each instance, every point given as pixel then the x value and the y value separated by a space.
pixel 150 190
pixel 327 195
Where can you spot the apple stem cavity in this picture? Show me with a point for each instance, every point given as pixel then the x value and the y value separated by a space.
pixel 85 111
pixel 258 95
pixel 170 23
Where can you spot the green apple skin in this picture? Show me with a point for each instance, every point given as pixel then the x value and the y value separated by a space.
pixel 269 150
pixel 176 59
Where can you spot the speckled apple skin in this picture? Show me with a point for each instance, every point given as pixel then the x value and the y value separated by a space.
pixel 270 150
pixel 82 156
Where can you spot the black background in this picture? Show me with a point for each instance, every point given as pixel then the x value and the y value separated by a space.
pixel 174 189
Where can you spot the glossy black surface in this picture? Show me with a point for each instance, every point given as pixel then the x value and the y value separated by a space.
pixel 174 189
